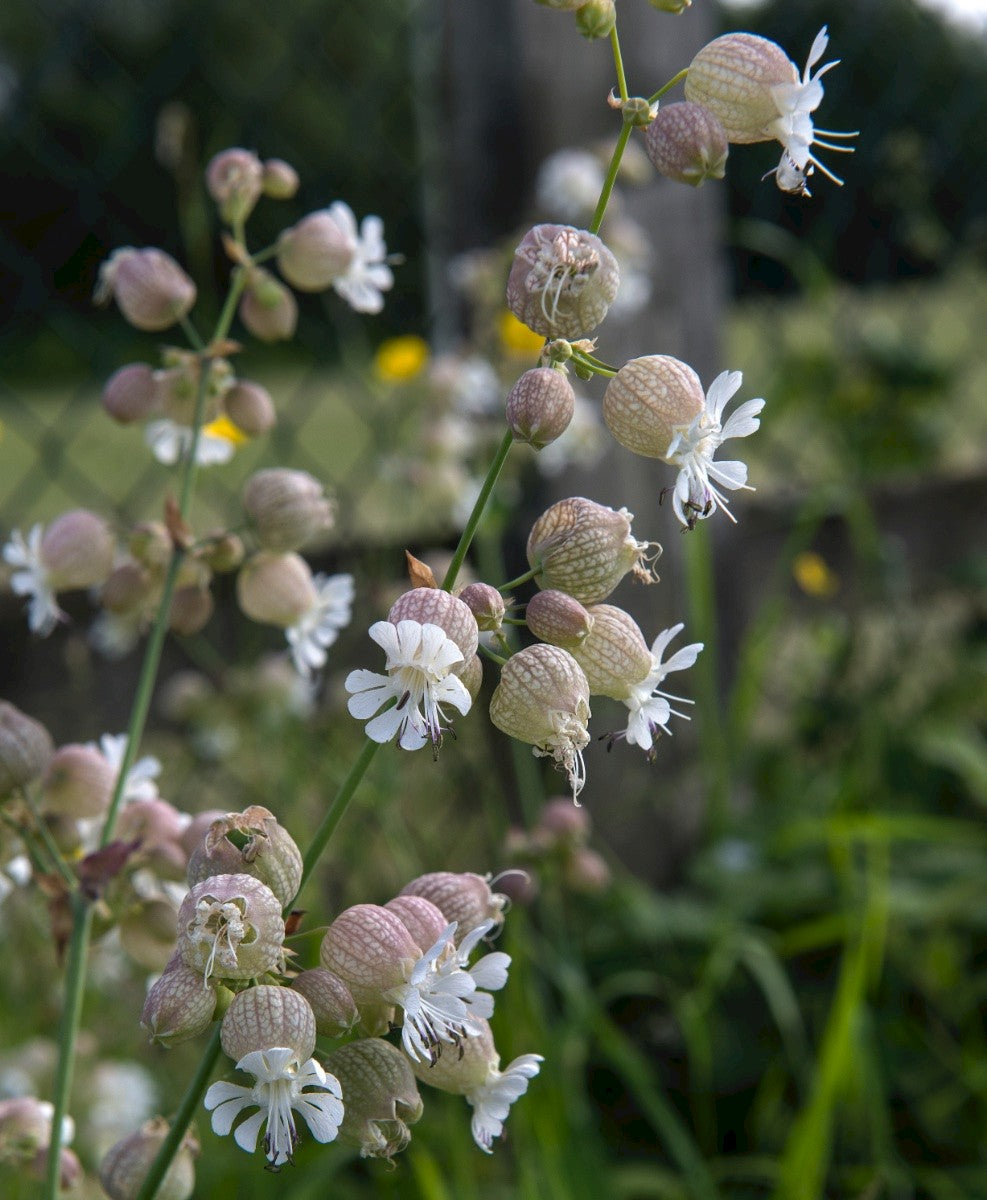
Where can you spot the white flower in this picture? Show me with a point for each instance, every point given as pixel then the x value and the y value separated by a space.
pixel 649 706
pixel 310 637
pixel 793 125
pixel 30 578
pixel 170 442
pixel 490 972
pixel 492 1100
pixel 693 446
pixel 419 663
pixel 278 1093
pixel 367 276
pixel 568 185
pixel 438 1000
pixel 139 783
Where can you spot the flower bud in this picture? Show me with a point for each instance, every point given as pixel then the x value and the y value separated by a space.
pixel 266 1016
pixel 370 949
pixel 178 1007
pixel 557 618
pixel 191 608
pixel 330 999
pixel 234 179
pixel 78 783
pixel 250 407
pixel 540 406
pixel 26 748
pixel 543 699
pixel 230 926
pixel 615 655
pixel 191 696
pixel 280 179
pixel 287 508
pixel 562 821
pixel 221 552
pixel 150 543
pixel 585 549
pixel 648 399
pixel 687 143
pixel 486 604
pixel 127 588
pixel 267 308
pixel 25 1128
pixel 125 1165
pixel 276 589
pixel 562 281
pixel 250 843
pixel 586 871
pixel 420 917
pixel 733 76
pixel 381 1097
pixel 596 18
pixel 432 606
pixel 131 394
pixel 464 898
pixel 77 550
pixel 315 252
pixel 150 288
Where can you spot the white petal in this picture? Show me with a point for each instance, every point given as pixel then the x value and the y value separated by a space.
pixel 245 1134
pixel 730 475
pixel 743 422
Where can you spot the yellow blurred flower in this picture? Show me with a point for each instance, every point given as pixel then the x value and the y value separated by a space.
pixel 516 338
pixel 224 429
pixel 813 576
pixel 399 359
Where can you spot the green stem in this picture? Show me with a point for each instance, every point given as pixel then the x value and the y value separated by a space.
pixel 618 62
pixel 75 975
pixel 492 655
pixel 182 1118
pixel 611 179
pixel 525 578
pixel 593 364
pixel 335 814
pixel 668 86
pixel 477 514
pixel 58 863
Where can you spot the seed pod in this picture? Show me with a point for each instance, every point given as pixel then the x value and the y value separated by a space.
pixel 464 898
pixel 26 748
pixel 331 1001
pixel 648 399
pixel 125 1165
pixel 585 549
pixel 266 1016
pixel 432 606
pixel 381 1094
pixel 615 656
pixel 178 1007
pixel 562 281
pixel 558 618
pixel 150 288
pixel 540 406
pixel 733 77
pixel 250 843
pixel 686 142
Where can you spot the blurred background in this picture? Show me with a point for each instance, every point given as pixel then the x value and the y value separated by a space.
pixel 759 970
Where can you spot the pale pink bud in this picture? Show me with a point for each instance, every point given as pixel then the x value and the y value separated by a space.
pixel 586 871
pixel 585 549
pixel 249 843
pixel 562 281
pixel 234 179
pixel 78 783
pixel 733 76
pixel 178 1007
pixel 563 821
pixel 77 550
pixel 276 589
pixel 230 927
pixel 381 1097
pixel 615 655
pixel 191 608
pixel 26 748
pixel 371 950
pixel 250 407
pixel 201 822
pixel 331 1001
pixel 125 1165
pixel 287 508
pixel 280 179
pixel 648 400
pixel 557 618
pixel 686 142
pixel 152 822
pixel 540 406
pixel 486 604
pixel 596 18
pixel 132 394
pixel 267 308
pixel 420 917
pixel 543 699
pixel 266 1016
pixel 432 606
pixel 25 1128
pixel 462 897
pixel 315 252
pixel 150 288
